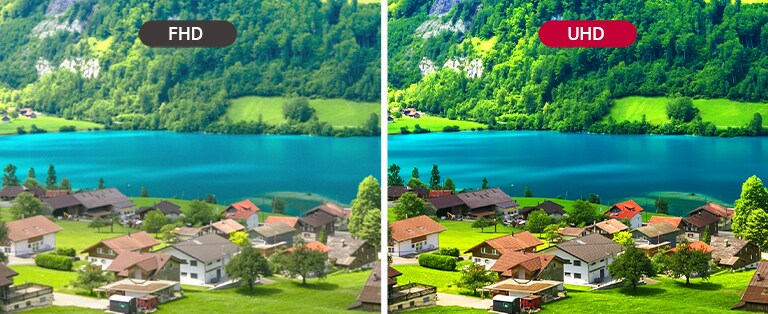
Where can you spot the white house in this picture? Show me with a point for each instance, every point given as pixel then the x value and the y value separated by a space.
pixel 106 251
pixel 628 210
pixel 587 258
pixel 30 235
pixel 203 258
pixel 244 210
pixel 414 235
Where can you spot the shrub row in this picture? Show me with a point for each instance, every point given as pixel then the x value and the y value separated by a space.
pixel 66 251
pixel 436 261
pixel 449 251
pixel 54 261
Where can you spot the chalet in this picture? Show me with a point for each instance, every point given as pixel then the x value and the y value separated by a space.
pixel 724 214
pixel 30 236
pixel 586 259
pixel 676 222
pixel 570 233
pixel 147 290
pixel 273 234
pixel 314 246
pixel 203 259
pixel 146 266
pixel 408 296
pixel 293 222
pixel 607 227
pixel 10 192
pixel 223 227
pixel 243 211
pixel 186 233
pixel 474 203
pixel 5 120
pixel 97 203
pixel 447 205
pixel 628 210
pixel 695 225
pixel 369 299
pixel 659 234
pixel 170 210
pixel 734 253
pixel 529 266
pixel 696 246
pixel 414 235
pixel 489 251
pixel 395 192
pixel 545 289
pixel 351 253
pixel 21 297
pixel 106 251
pixel 552 209
pixel 341 214
pixel 755 298
pixel 311 225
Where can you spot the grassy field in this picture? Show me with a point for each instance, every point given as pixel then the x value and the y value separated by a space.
pixel 722 112
pixel 59 280
pixel 337 112
pixel 445 281
pixel 680 203
pixel 149 201
pixel 64 310
pixel 76 234
pixel 446 309
pixel 51 124
pixel 434 124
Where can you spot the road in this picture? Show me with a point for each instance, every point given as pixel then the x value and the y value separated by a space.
pixel 445 299
pixel 61 299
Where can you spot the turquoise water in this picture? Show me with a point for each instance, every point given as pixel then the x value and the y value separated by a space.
pixel 188 165
pixel 615 167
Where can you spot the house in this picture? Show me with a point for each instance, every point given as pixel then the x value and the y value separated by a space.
pixel 755 298
pixel 341 214
pixel 170 210
pixel 10 192
pixel 552 209
pixel 163 290
pixel 546 289
pixel 724 214
pixel 55 193
pixel 489 251
pixel 293 222
pixel 569 233
pixel 186 233
pixel 30 236
pixel 676 222
pixel 351 253
pixel 409 296
pixel 696 246
pixel 203 259
pixel 63 205
pixel 5 120
pixel 97 203
pixel 395 192
pixel 146 266
pixel 369 299
pixel 734 253
pixel 695 225
pixel 475 203
pixel 529 266
pixel 223 227
pixel 21 297
pixel 390 119
pixel 106 251
pixel 657 234
pixel 312 224
pixel 243 210
pixel 448 205
pixel 607 227
pixel 414 235
pixel 439 193
pixel 273 234
pixel 628 210
pixel 586 259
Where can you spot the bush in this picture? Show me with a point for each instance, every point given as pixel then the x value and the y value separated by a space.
pixel 67 128
pixel 53 261
pixel 451 128
pixel 436 261
pixel 63 251
pixel 449 251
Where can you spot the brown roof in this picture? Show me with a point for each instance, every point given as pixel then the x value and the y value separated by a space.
pixel 657 230
pixel 12 191
pixel 549 207
pixel 207 247
pixel 529 286
pixel 438 193
pixel 414 227
pixel 128 243
pixel 330 208
pixel 512 242
pixel 187 231
pixel 318 219
pixel 55 193
pixel 31 227
pixel 291 221
pixel 62 201
pixel 715 209
pixel 446 201
pixel 757 290
pixel 103 197
pixel 611 225
pixel 590 248
pixel 702 218
pixel 396 191
pixel 5 275
pixel 273 230
pixel 227 226
pixel 530 261
pixel 571 231
pixel 148 262
pixel 672 221
pixel 726 248
pixel 483 198
pixel 371 292
pixel 165 207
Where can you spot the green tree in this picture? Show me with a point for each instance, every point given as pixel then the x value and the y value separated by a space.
pixel 756 230
pixel 31 183
pixel 755 125
pixel 414 183
pixel 50 181
pixel 631 266
pixel 527 192
pixel 393 176
pixel 144 192
pixel 372 228
pixel 537 221
pixel 9 176
pixel 200 213
pixel 31 173
pixel 624 238
pixel 101 183
pixel 240 238
pixel 298 110
pixel 91 276
pixel 211 199
pixel 754 197
pixel 368 199
pixel 25 205
pixel 408 206
pixel 484 184
pixel 154 220
pixel 482 223
pixel 65 185
pixel 415 173
pixel 550 232
pixel 593 198
pixel 706 235
pixel 278 206
pixel 662 205
pixel 3 239
pixel 449 185
pixel 98 223
pixel 322 236
pixel 248 267
pixel 687 262
pixel 302 262
pixel 474 276
pixel 434 179
pixel 682 109
pixel 582 213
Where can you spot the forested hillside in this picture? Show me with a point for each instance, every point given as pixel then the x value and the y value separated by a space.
pixel 482 60
pixel 82 59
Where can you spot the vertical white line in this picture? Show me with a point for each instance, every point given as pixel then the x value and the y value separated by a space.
pixel 383 119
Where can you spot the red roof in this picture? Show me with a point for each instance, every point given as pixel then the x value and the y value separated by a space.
pixel 438 193
pixel 31 227
pixel 698 246
pixel 624 210
pixel 241 210
pixel 672 221
pixel 291 221
pixel 512 243
pixel 315 246
pixel 530 261
pixel 414 227
pixel 715 209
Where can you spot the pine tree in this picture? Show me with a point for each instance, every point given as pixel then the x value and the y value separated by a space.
pixel 434 179
pixel 50 181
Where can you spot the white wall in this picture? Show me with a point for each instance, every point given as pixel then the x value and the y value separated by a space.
pixel 23 247
pixel 407 247
pixel 637 221
pixel 588 272
pixel 205 273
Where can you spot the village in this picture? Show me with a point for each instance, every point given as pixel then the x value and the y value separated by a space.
pixel 90 251
pixel 476 251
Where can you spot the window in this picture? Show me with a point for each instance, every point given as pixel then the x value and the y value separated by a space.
pixel 184 274
pixel 576 263
pixel 567 274
pixel 425 300
pixel 391 249
pixel 193 263
pixel 218 260
pixel 42 299
pixel 193 275
pixel 29 303
pixel 577 275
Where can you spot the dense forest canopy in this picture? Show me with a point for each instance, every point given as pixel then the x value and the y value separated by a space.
pixel 82 59
pixel 684 48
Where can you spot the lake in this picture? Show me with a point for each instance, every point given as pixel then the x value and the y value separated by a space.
pixel 687 170
pixel 188 165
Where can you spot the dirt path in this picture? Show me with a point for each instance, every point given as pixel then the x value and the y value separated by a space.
pixel 61 299
pixel 445 299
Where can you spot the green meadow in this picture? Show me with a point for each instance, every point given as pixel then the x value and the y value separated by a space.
pixel 433 124
pixel 48 123
pixel 337 112
pixel 722 112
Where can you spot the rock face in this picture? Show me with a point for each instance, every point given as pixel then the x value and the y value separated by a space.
pixel 472 68
pixel 88 68
pixel 440 7
pixel 57 7
pixel 434 27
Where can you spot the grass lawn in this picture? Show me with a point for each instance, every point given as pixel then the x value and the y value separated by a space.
pixel 337 112
pixel 722 112
pixel 76 234
pixel 59 280
pixel 434 124
pixel 445 281
pixel 51 124
pixel 461 235
pixel 64 310
pixel 446 309
pixel 149 201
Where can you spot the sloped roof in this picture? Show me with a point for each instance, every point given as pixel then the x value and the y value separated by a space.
pixel 756 290
pixel 149 262
pixel 31 227
pixel 12 191
pixel 187 231
pixel 343 248
pixel 63 201
pixel 168 208
pixel 103 197
pixel 446 201
pixel 715 209
pixel 414 227
pixel 318 219
pixel 657 230
pixel 127 243
pixel 571 231
pixel 624 210
pixel 274 230
pixel 549 207
pixel 726 248
pixel 672 221
pixel 512 242
pixel 331 208
pixel 227 226
pixel 5 275
pixel 241 210
pixel 396 191
pixel 314 246
pixel 591 247
pixel 290 221
pixel 532 262
pixel 702 218
pixel 611 225
pixel 483 198
pixel 55 193
pixel 207 248
pixel 438 193
pixel 371 292
pixel 697 246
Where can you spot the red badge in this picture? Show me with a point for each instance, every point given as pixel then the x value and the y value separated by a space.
pixel 587 34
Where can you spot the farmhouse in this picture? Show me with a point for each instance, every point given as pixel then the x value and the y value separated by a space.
pixel 569 233
pixel 369 299
pixel 627 210
pixel 414 235
pixel 10 192
pixel 607 227
pixel 657 234
pixel 203 258
pixel 146 266
pixel 351 253
pixel 529 266
pixel 106 251
pixel 695 225
pixel 293 222
pixel 21 297
pixel 341 214
pixel 311 225
pixel 395 192
pixel 95 203
pixel 243 210
pixel 734 253
pixel 408 296
pixel 223 227
pixel 724 214
pixel 170 210
pixel 273 234
pixel 586 259
pixel 30 235
pixel 475 203
pixel 755 298
pixel 552 209
pixel 489 251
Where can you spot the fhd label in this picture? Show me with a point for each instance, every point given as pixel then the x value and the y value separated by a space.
pixel 182 34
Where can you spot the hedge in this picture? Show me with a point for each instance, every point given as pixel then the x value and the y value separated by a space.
pixel 436 261
pixel 449 251
pixel 54 261
pixel 66 251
